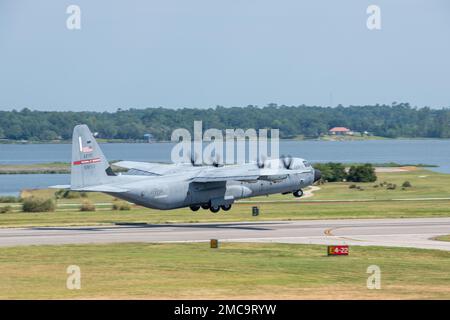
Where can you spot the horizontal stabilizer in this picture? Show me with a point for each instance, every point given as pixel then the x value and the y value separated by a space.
pixel 102 188
pixel 60 186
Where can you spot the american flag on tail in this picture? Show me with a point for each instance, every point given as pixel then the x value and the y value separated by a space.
pixel 85 149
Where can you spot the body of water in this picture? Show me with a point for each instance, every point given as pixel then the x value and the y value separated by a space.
pixel 12 184
pixel 435 152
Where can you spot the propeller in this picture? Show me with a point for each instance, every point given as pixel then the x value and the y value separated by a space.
pixel 287 161
pixel 193 160
pixel 261 164
pixel 216 162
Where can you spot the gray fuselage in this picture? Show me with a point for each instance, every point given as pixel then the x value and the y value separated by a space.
pixel 177 191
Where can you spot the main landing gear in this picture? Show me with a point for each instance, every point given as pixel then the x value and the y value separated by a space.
pixel 213 209
pixel 226 207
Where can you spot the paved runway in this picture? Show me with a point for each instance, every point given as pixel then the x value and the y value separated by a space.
pixel 382 232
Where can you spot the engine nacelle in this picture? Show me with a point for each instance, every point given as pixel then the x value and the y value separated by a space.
pixel 237 191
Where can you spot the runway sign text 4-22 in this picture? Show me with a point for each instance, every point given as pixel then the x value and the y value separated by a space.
pixel 338 250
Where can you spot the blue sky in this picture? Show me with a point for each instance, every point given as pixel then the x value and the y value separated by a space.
pixel 202 53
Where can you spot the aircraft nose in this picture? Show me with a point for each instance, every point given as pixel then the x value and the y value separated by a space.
pixel 317 175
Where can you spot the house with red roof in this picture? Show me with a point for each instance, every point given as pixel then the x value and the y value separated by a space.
pixel 340 131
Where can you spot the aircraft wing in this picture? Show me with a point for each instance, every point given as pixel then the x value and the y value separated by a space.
pixel 154 168
pixel 243 174
pixel 246 172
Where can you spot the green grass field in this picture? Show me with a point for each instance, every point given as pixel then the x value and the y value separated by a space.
pixel 425 184
pixel 54 167
pixel 235 270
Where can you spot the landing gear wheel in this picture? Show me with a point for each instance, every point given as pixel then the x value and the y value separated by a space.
pixel 226 207
pixel 298 193
pixel 194 208
pixel 214 209
pixel 205 206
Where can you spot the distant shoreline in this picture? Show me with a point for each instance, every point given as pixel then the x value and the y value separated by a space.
pixel 326 139
pixel 42 168
pixel 64 168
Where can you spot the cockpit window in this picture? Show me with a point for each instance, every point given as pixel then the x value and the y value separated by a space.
pixel 306 164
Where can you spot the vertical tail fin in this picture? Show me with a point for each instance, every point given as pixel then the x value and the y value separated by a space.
pixel 89 165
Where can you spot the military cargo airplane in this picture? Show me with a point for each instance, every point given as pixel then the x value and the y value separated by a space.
pixel 171 186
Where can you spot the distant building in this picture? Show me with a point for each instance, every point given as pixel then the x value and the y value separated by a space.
pixel 340 131
pixel 148 137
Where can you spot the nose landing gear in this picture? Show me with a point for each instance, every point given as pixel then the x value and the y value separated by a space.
pixel 298 193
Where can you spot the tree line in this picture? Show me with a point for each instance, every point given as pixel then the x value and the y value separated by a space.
pixel 336 172
pixel 392 121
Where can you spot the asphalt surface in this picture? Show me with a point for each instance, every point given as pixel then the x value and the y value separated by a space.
pixel 381 232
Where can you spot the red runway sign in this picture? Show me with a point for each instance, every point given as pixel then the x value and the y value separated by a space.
pixel 338 250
